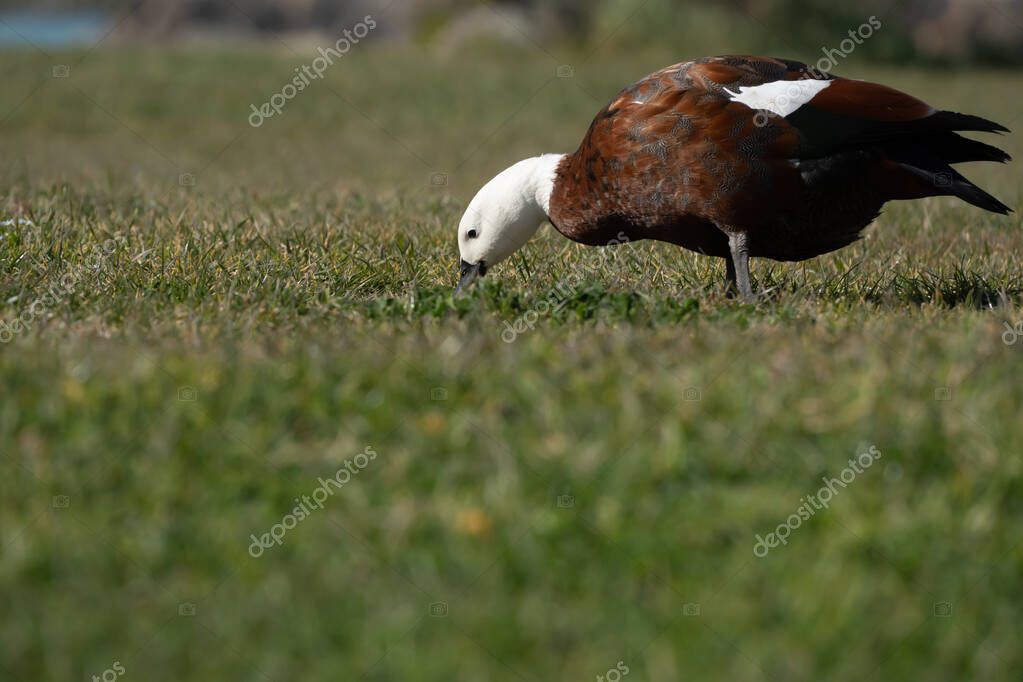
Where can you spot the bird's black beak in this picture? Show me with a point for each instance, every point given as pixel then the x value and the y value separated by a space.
pixel 468 272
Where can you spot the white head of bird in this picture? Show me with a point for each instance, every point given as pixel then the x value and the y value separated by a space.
pixel 504 214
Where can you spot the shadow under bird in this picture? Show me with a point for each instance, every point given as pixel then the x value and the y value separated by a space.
pixel 733 156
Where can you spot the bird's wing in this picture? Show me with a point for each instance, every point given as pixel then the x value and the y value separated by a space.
pixel 677 141
pixel 827 113
pixel 757 112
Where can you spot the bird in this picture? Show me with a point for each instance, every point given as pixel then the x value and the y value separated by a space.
pixel 732 157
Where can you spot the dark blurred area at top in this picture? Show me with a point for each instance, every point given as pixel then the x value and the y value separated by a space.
pixel 919 31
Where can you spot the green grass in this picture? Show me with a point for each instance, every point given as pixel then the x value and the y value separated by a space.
pixel 565 495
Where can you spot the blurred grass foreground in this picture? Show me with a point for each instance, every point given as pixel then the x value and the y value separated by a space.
pixel 246 433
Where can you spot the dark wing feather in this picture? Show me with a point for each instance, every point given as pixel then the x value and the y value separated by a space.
pixel 918 143
pixel 849 114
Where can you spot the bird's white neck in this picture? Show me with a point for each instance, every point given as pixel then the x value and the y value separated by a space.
pixel 544 173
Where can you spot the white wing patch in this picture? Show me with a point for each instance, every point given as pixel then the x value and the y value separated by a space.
pixel 779 97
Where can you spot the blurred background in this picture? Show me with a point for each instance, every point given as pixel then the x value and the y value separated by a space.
pixel 927 31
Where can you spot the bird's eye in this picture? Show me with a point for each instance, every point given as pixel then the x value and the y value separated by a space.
pixel 471 234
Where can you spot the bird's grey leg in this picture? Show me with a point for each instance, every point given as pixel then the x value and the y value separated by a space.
pixel 738 243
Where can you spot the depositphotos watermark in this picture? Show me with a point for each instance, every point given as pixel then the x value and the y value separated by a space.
pixel 811 504
pixel 110 674
pixel 309 503
pixel 614 674
pixel 796 91
pixel 307 73
pixel 832 56
pixel 1012 333
pixel 61 289
pixel 559 296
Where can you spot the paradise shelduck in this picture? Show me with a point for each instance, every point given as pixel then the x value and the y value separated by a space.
pixel 732 157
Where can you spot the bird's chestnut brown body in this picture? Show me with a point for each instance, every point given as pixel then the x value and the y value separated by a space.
pixel 733 157
pixel 678 158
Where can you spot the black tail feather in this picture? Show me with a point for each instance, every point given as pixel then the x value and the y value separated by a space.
pixel 929 157
pixel 953 148
pixel 936 124
pixel 935 150
pixel 946 181
pixel 950 120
